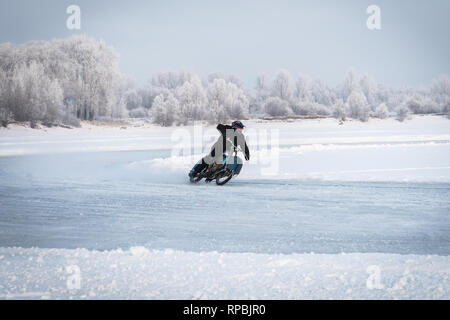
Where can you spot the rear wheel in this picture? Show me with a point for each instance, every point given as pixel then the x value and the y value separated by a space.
pixel 196 178
pixel 224 178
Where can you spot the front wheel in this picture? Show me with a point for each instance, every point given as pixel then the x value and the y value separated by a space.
pixel 224 178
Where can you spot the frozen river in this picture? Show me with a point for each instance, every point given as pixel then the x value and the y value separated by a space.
pixel 97 201
pixel 341 204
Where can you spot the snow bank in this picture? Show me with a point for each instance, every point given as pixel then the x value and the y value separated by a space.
pixel 139 273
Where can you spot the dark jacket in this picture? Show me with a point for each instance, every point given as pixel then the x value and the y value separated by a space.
pixel 230 140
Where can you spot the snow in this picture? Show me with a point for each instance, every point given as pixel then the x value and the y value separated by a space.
pixel 140 273
pixel 346 203
pixel 380 150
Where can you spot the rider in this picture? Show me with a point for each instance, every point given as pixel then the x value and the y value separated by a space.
pixel 230 138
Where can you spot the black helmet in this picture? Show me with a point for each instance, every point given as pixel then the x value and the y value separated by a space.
pixel 237 124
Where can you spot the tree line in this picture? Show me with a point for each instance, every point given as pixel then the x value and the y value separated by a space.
pixel 56 81
pixel 64 81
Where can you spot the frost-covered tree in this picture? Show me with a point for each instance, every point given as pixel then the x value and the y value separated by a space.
pixel 422 105
pixel 216 113
pixel 95 76
pixel 302 108
pixel 168 80
pixel 369 87
pixel 320 110
pixel 117 111
pixel 395 98
pixel 446 109
pixel 306 99
pixel 381 111
pixel 261 83
pixel 235 80
pixel 133 99
pixel 184 76
pixel 85 69
pixel 165 109
pixel 339 110
pixel 236 103
pixel 321 93
pixel 86 72
pixel 349 85
pixel 217 95
pixel 140 112
pixel 146 97
pixel 228 78
pixel 440 91
pixel 171 80
pixel 312 97
pixel 303 88
pixel 192 100
pixel 150 92
pixel 402 112
pixel 357 106
pixel 226 101
pixel 282 86
pixel 9 58
pixel 213 76
pixel 5 113
pixel 257 97
pixel 309 108
pixel 276 107
pixel 34 96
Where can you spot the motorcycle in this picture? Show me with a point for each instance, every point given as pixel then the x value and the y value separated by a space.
pixel 222 173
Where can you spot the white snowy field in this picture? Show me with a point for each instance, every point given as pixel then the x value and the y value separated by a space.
pixel 140 273
pixel 380 150
pixel 321 211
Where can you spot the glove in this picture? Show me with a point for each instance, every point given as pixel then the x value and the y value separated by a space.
pixel 247 153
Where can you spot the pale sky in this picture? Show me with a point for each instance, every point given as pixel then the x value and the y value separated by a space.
pixel 322 39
